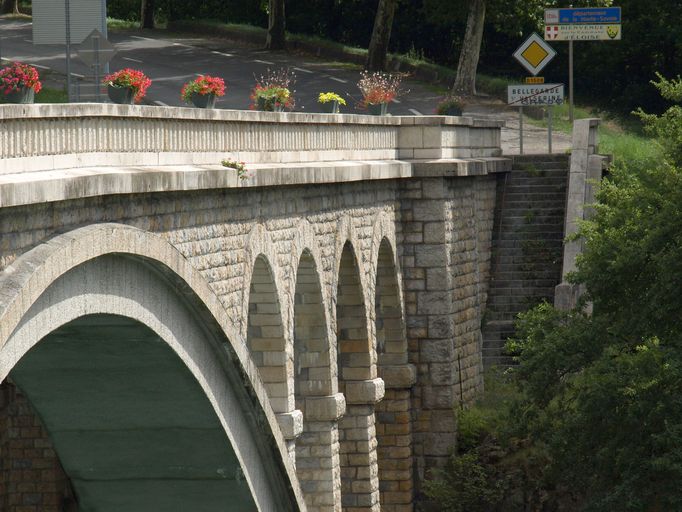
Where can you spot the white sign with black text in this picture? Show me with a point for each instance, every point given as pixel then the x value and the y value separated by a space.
pixel 526 95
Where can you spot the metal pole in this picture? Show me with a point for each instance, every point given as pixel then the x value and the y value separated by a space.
pixel 95 41
pixel 549 129
pixel 521 130
pixel 105 32
pixel 570 81
pixel 67 20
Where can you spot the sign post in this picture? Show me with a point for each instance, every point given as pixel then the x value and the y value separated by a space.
pixel 96 51
pixel 581 24
pixel 67 35
pixel 534 54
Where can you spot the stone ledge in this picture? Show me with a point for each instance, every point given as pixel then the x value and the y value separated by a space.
pixel 364 391
pixel 71 110
pixel 325 408
pixel 290 423
pixel 399 376
pixel 26 188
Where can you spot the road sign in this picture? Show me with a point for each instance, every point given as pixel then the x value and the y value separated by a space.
pixel 583 32
pixel 534 80
pixel 586 16
pixel 535 95
pixel 534 54
pixel 96 49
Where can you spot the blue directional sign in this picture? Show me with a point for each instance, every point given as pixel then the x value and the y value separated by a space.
pixel 590 15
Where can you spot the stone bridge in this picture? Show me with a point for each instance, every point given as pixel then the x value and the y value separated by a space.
pixel 192 339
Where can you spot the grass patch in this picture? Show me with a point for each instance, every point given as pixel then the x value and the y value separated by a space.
pixel 622 140
pixel 118 24
pixel 49 95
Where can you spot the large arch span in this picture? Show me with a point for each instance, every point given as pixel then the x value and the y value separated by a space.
pixel 113 336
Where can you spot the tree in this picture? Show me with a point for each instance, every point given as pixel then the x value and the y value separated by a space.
pixel 276 39
pixel 381 34
pixel 147 14
pixel 465 81
pixel 10 7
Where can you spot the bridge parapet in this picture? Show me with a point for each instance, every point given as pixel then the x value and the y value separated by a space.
pixel 47 137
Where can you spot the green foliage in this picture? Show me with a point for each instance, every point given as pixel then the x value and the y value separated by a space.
pixel 667 127
pixel 594 422
pixel 602 390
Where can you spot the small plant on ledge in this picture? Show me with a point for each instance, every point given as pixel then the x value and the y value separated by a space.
pixel 127 85
pixel 203 91
pixel 240 167
pixel 273 92
pixel 450 106
pixel 19 82
pixel 378 90
pixel 330 102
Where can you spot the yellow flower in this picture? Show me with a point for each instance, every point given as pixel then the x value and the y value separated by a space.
pixel 326 97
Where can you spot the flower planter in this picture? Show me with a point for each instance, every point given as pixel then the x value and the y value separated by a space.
pixel 452 111
pixel 121 95
pixel 23 96
pixel 203 100
pixel 269 105
pixel 331 107
pixel 379 109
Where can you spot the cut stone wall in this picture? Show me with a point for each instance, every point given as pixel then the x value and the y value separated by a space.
pixel 363 359
pixel 447 228
pixel 31 478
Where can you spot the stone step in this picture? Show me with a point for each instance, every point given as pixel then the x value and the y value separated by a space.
pixel 534 235
pixel 538 188
pixel 501 284
pixel 521 291
pixel 523 181
pixel 530 203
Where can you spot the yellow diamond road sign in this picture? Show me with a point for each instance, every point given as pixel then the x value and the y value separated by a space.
pixel 534 54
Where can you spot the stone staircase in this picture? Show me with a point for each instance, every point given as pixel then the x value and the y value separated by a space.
pixel 527 246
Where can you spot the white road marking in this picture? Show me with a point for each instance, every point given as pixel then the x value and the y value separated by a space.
pixel 264 62
pixel 337 79
pixel 40 66
pixel 28 41
pixel 303 70
pixel 223 54
pixel 180 44
pixel 132 60
pixel 142 38
pixel 160 103
pixel 396 101
pixel 77 75
pixel 415 112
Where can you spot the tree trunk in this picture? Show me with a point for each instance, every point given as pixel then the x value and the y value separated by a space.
pixel 378 46
pixel 9 7
pixel 276 39
pixel 465 82
pixel 147 14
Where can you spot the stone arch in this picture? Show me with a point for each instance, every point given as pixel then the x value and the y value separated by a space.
pixel 315 390
pixel 393 420
pixel 361 387
pixel 118 270
pixel 265 336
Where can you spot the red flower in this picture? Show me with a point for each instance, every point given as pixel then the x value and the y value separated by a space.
pixel 132 78
pixel 204 84
pixel 17 76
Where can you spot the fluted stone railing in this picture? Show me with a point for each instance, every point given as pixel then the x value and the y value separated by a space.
pixel 44 137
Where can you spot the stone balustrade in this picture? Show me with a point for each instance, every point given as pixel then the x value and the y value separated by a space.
pixel 46 137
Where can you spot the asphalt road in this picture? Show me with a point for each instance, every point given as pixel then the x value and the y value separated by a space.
pixel 172 61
